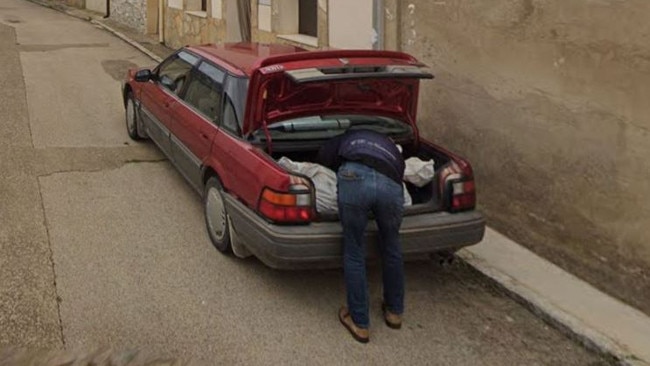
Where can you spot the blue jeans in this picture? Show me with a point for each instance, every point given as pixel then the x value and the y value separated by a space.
pixel 361 190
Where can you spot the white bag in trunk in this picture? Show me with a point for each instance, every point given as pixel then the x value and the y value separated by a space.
pixel 324 181
pixel 418 172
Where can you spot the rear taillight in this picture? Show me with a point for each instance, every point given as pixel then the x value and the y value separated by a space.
pixel 292 207
pixel 458 187
pixel 463 194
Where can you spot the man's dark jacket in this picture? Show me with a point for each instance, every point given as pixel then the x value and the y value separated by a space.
pixel 366 147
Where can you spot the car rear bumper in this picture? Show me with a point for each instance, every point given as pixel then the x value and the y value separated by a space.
pixel 318 245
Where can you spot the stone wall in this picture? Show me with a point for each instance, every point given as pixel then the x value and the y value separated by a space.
pixel 131 13
pixel 550 102
pixel 182 28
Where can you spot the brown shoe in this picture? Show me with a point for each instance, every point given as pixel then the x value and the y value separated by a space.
pixel 393 321
pixel 360 334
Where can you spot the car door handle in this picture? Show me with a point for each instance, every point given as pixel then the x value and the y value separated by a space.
pixel 166 104
pixel 205 136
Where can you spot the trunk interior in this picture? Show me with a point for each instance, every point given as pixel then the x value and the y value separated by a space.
pixel 425 199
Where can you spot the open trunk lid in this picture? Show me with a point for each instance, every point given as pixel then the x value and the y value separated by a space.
pixel 383 83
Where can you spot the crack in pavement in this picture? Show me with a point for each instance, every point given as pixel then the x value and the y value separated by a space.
pixel 102 169
pixel 51 160
pixel 52 264
pixel 31 311
pixel 27 314
pixel 55 47
pixel 46 224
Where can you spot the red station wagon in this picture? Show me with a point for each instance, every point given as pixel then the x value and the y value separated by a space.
pixel 224 115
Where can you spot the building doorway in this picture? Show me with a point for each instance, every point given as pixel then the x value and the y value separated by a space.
pixel 308 17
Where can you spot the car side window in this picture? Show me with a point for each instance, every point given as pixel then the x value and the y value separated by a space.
pixel 173 72
pixel 204 91
pixel 230 122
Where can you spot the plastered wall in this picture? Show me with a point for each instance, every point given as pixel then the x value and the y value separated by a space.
pixel 550 101
pixel 98 6
pixel 276 17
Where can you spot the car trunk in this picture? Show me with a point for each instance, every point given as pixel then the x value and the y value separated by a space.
pixel 424 199
pixel 333 82
pixel 296 102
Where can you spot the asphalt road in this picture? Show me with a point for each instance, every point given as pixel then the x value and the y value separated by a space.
pixel 102 243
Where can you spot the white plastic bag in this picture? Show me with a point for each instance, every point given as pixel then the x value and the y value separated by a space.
pixel 418 172
pixel 407 197
pixel 324 181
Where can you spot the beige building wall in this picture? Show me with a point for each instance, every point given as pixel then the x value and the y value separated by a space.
pixel 276 21
pixel 341 24
pixel 76 3
pixel 350 24
pixel 185 24
pixel 98 6
pixel 550 101
pixel 231 16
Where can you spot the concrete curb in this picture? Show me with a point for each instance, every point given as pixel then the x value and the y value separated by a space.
pixel 127 40
pixel 605 325
pixel 556 317
pixel 572 326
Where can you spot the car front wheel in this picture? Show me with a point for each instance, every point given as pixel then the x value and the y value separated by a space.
pixel 131 118
pixel 216 218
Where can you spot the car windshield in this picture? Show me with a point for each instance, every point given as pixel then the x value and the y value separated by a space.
pixel 325 127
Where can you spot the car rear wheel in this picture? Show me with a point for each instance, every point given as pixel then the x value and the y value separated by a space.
pixel 131 118
pixel 216 218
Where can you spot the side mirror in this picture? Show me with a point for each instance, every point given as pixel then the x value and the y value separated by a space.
pixel 143 75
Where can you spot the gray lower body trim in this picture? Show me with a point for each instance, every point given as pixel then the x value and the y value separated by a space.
pixel 188 164
pixel 318 245
pixel 156 131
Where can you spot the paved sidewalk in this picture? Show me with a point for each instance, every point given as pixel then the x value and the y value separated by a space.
pixel 591 317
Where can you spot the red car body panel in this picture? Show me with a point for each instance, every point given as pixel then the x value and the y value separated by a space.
pixel 273 99
pixel 243 58
pixel 273 96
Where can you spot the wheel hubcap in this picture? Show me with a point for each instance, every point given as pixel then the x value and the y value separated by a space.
pixel 215 213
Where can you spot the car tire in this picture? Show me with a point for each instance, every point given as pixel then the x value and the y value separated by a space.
pixel 216 217
pixel 131 118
